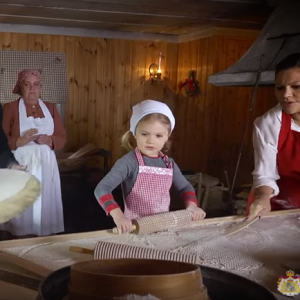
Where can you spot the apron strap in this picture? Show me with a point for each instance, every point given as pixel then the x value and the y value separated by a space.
pixel 139 157
pixel 166 160
pixel 142 163
pixel 285 129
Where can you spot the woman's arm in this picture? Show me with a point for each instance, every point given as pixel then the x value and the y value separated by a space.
pixel 59 137
pixel 10 112
pixel 7 159
pixel 265 173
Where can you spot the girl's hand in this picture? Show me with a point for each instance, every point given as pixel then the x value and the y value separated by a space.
pixel 123 224
pixel 198 213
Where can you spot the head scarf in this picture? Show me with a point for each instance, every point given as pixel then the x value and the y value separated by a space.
pixel 148 107
pixel 22 75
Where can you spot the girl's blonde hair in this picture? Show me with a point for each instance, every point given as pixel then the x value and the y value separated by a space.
pixel 128 139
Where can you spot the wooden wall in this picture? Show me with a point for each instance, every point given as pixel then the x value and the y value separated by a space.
pixel 210 128
pixel 106 77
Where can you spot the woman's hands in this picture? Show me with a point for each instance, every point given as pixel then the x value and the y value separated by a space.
pixel 44 139
pixel 123 224
pixel 262 203
pixel 260 207
pixel 28 137
pixel 31 135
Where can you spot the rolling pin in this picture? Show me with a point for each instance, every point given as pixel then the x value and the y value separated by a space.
pixel 108 250
pixel 81 250
pixel 160 222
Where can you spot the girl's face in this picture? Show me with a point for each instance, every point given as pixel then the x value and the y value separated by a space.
pixel 151 136
pixel 287 90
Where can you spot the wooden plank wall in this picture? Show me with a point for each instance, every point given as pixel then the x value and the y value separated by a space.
pixel 210 128
pixel 106 77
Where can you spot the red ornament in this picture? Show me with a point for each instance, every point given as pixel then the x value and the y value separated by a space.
pixel 191 85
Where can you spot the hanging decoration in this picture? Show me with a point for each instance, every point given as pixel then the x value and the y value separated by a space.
pixel 191 85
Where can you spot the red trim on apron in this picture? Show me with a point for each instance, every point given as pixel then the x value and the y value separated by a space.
pixel 288 164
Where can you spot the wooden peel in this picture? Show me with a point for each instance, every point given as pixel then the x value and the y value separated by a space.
pixel 240 226
pixel 88 149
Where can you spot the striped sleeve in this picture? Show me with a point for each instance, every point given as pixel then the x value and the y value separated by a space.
pixel 108 203
pixel 189 196
pixel 185 189
pixel 122 169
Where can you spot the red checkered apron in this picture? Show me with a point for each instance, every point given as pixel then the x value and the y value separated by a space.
pixel 150 193
pixel 288 164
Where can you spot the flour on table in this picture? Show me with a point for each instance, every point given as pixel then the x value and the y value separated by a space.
pixel 262 252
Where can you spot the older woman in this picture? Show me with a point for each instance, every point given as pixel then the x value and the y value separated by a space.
pixel 277 145
pixel 34 129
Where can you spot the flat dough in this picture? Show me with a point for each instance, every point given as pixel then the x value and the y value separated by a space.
pixel 12 182
pixel 18 190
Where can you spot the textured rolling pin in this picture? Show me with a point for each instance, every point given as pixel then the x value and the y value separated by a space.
pixel 160 222
pixel 107 250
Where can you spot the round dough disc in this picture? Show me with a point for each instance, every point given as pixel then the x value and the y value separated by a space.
pixel 18 190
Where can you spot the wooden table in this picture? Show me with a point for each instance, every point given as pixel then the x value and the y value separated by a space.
pixel 20 266
pixel 10 291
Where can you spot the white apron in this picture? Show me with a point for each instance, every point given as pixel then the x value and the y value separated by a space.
pixel 45 217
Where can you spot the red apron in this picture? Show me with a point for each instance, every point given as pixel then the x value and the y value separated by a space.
pixel 151 192
pixel 288 165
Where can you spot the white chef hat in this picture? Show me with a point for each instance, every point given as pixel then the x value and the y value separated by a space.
pixel 148 107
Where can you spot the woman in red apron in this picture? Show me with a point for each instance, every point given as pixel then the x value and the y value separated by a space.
pixel 145 173
pixel 276 142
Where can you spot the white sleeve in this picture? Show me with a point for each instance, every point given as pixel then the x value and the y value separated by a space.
pixel 265 160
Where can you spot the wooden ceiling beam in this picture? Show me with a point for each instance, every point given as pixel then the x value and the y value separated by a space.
pixel 171 17
pixel 170 2
pixel 240 1
pixel 83 32
pixel 56 14
pixel 17 19
pixel 76 24
pixel 192 9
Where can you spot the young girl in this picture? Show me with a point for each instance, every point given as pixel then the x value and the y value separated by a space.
pixel 145 173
